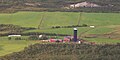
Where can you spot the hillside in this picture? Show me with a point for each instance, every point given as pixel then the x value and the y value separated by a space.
pixel 27 22
pixel 8 6
pixel 66 52
pixel 51 19
pixel 106 24
pixel 57 18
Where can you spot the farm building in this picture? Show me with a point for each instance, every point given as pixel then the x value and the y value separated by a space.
pixel 55 40
pixel 14 35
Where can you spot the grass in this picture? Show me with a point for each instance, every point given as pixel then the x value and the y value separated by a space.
pixel 10 46
pixel 101 19
pixel 103 40
pixel 60 30
pixel 101 30
pixel 32 19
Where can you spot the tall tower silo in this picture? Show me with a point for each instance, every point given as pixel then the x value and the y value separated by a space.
pixel 75 34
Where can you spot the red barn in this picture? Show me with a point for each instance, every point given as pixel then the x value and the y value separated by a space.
pixel 55 40
pixel 67 39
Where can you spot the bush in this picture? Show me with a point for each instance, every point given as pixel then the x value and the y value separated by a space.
pixel 84 25
pixel 56 27
pixel 72 26
pixel 18 38
pixel 33 37
pixel 9 38
pixel 44 37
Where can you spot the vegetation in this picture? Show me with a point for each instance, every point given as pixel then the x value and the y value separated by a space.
pixel 9 28
pixel 61 24
pixel 105 23
pixel 66 52
pixel 70 18
pixel 73 26
pixel 103 40
pixel 102 21
pixel 10 46
pixel 9 6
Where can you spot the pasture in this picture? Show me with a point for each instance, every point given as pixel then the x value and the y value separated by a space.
pixel 102 21
pixel 32 19
pixel 10 46
pixel 103 40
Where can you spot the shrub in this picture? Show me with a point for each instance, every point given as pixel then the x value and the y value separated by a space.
pixel 44 37
pixel 84 25
pixel 33 37
pixel 9 38
pixel 18 38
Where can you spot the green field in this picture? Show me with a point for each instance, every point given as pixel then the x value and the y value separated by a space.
pixel 32 19
pixel 103 40
pixel 10 46
pixel 104 23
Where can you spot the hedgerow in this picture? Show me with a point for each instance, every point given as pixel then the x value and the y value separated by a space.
pixel 59 51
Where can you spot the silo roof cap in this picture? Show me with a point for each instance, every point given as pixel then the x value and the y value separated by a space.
pixel 75 28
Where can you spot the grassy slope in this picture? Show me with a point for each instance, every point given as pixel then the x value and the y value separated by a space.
pixel 31 19
pixel 102 21
pixel 9 46
pixel 103 40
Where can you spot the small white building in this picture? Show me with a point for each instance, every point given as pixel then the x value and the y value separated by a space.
pixel 92 26
pixel 40 36
pixel 14 35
